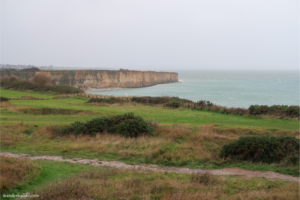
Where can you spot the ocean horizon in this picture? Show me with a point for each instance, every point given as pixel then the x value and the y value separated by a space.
pixel 230 88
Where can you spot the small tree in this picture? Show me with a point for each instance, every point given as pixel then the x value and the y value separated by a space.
pixel 4 79
pixel 42 79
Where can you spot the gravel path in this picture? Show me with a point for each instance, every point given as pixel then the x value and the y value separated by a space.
pixel 117 164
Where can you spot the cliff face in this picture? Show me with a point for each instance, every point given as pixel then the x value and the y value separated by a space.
pixel 97 79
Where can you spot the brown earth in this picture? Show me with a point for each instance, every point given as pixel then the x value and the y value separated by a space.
pixel 117 164
pixel 4 103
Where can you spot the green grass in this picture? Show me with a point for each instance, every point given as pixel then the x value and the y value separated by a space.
pixel 14 94
pixel 180 116
pixel 51 171
pixel 52 150
pixel 166 117
pixel 170 116
pixel 102 182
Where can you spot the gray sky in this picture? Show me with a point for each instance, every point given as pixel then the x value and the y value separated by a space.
pixel 156 34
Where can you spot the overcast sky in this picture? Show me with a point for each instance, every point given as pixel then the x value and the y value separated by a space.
pixel 156 34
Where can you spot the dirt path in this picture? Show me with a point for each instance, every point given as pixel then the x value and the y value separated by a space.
pixel 225 171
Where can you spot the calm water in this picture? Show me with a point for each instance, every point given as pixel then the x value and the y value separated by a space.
pixel 226 88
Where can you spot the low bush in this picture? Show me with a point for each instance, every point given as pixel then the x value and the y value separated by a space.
pixel 266 149
pixel 8 79
pixel 158 100
pixel 109 100
pixel 4 79
pixel 3 99
pixel 172 104
pixel 127 125
pixel 282 110
pixel 209 106
pixel 204 104
pixel 53 111
pixel 43 80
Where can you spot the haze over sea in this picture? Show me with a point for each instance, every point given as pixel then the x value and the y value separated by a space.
pixel 225 88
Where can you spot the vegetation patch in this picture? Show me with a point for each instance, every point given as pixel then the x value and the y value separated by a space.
pixel 279 110
pixel 32 69
pixel 127 125
pixel 158 100
pixel 172 104
pixel 178 146
pixel 53 111
pixel 57 89
pixel 3 99
pixel 111 183
pixel 205 178
pixel 209 106
pixel 111 100
pixel 28 98
pixel 266 149
pixel 42 79
pixel 15 171
pixel 40 83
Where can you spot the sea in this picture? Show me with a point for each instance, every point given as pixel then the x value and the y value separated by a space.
pixel 228 88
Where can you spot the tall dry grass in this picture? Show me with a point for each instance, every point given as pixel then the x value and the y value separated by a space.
pixel 14 171
pixel 177 145
pixel 10 134
pixel 113 183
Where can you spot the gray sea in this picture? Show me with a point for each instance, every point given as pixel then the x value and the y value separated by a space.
pixel 226 88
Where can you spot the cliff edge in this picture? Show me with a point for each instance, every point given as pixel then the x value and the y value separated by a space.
pixel 100 79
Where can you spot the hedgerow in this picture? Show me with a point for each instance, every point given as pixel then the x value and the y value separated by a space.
pixel 109 100
pixel 3 99
pixel 158 100
pixel 172 104
pixel 267 149
pixel 284 110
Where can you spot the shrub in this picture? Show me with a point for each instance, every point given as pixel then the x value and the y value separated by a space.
pixel 127 125
pixel 158 100
pixel 282 110
pixel 109 100
pixel 9 79
pixel 172 104
pixel 258 110
pixel 42 79
pixel 262 149
pixel 3 99
pixel 204 104
pixel 4 79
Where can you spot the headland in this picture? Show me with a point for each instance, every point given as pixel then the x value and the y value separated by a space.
pixel 101 79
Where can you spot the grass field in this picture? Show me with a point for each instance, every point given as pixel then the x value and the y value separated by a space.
pixel 164 116
pixel 185 137
pixel 61 180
